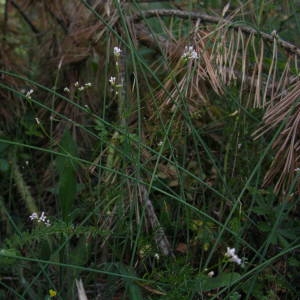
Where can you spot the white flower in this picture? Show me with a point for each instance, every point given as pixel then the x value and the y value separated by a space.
pixel 117 51
pixel 42 218
pixel 37 121
pixel 112 80
pixel 28 94
pixel 193 55
pixel 235 259
pixel 156 256
pixel 33 216
pixel 211 274
pixel 230 253
pixel 88 84
pixel 81 88
pixel 76 84
pixel 189 53
pixel 67 90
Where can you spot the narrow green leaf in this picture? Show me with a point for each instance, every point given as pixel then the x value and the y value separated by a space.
pixel 66 168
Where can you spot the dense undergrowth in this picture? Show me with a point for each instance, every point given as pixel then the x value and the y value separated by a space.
pixel 149 150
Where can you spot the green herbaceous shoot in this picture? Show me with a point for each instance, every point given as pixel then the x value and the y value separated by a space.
pixel 149 149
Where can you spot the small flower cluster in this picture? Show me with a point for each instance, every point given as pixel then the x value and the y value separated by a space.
pixel 80 88
pixel 41 219
pixel 117 51
pixel 156 256
pixel 189 53
pixel 232 256
pixel 112 80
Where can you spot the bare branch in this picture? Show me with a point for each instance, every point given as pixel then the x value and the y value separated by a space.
pixel 204 18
